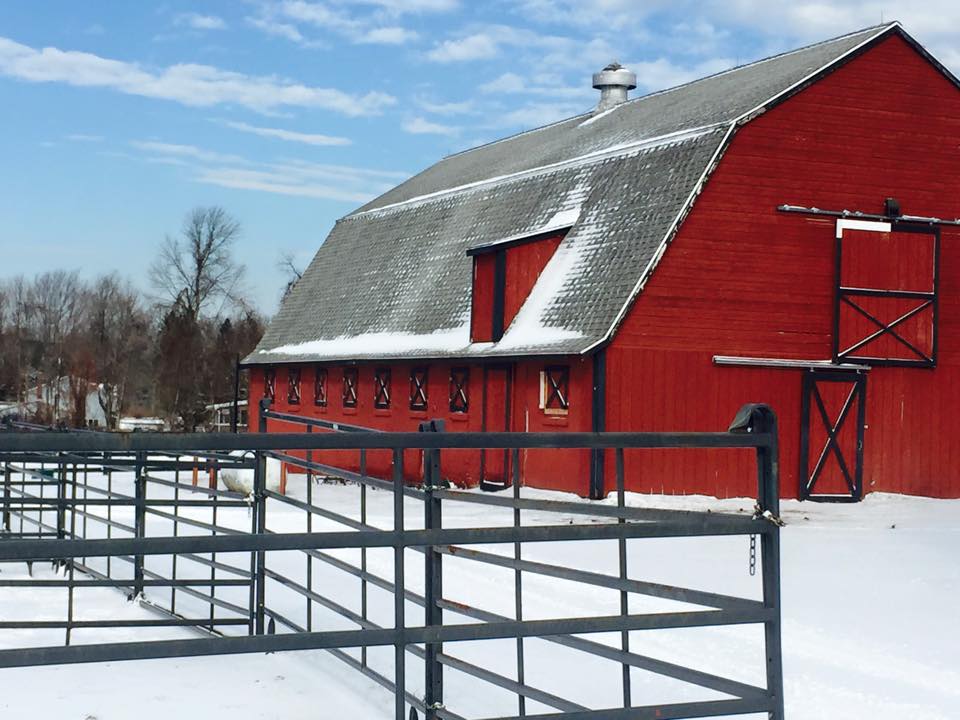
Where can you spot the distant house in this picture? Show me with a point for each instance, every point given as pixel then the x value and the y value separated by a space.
pixel 221 416
pixel 55 402
pixel 768 233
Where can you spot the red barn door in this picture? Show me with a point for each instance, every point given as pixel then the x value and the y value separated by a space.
pixel 831 436
pixel 494 463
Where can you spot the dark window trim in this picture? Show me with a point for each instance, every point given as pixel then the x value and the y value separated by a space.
pixel 293 386
pixel 419 379
pixel 557 389
pixel 270 383
pixel 351 382
pixel 499 294
pixel 320 388
pixel 510 242
pixel 460 390
pixel 381 388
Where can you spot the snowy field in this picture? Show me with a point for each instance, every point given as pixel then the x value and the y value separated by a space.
pixel 871 627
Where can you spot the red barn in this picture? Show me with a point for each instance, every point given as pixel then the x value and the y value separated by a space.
pixel 656 263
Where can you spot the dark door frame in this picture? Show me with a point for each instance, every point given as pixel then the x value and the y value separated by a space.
pixel 811 405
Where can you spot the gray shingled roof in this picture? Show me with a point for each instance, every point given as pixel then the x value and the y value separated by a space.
pixel 393 280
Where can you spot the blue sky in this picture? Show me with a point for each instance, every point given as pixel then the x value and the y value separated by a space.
pixel 121 116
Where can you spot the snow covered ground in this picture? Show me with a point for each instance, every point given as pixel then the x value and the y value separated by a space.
pixel 871 627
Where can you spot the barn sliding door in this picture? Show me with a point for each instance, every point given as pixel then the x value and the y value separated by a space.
pixel 887 276
pixel 831 436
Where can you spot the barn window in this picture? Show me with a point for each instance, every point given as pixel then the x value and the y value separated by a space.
pixel 886 293
pixel 418 388
pixel 504 273
pixel 293 386
pixel 381 388
pixel 555 390
pixel 320 388
pixel 459 390
pixel 270 384
pixel 350 387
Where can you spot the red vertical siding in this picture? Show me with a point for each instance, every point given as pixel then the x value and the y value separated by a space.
pixel 742 279
pixel 525 263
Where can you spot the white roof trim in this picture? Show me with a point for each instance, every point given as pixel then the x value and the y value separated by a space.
pixel 786 364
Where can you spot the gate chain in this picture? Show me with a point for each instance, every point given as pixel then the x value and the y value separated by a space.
pixel 753 555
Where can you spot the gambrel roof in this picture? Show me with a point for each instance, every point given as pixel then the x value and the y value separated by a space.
pixel 392 280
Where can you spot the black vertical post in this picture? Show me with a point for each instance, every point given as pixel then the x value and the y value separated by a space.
pixel 599 422
pixel 624 596
pixel 760 419
pixel 139 522
pixel 433 573
pixel 363 550
pixel 72 561
pixel 260 515
pixel 518 577
pixel 6 496
pixel 399 619
pixel 61 498
pixel 309 530
pixel 235 411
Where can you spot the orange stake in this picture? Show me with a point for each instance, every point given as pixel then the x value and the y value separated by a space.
pixel 196 471
pixel 283 478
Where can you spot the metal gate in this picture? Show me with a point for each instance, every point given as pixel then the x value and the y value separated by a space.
pixel 832 419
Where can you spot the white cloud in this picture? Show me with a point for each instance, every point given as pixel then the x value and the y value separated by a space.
pixel 479 46
pixel 189 84
pixel 277 29
pixel 662 73
pixel 200 22
pixel 546 85
pixel 466 107
pixel 165 149
pixel 387 36
pixel 81 137
pixel 538 114
pixel 422 126
pixel 399 7
pixel 294 177
pixel 289 135
pixel 281 18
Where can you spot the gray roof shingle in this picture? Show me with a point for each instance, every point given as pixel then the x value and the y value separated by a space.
pixel 393 279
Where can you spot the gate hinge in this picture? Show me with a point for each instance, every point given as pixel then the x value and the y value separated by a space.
pixel 759 514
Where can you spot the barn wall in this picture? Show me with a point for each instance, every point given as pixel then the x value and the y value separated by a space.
pixel 742 279
pixel 567 470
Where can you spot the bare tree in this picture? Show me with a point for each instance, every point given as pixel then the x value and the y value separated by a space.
pixel 197 267
pixel 117 339
pixel 54 305
pixel 288 266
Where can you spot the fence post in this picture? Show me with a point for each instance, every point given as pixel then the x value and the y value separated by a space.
pixel 61 498
pixel 260 516
pixel 139 521
pixel 433 573
pixel 399 589
pixel 6 496
pixel 760 419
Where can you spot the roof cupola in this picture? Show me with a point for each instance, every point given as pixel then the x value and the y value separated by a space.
pixel 613 82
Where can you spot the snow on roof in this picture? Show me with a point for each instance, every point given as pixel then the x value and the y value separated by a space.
pixel 392 280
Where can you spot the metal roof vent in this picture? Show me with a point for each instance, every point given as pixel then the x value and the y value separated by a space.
pixel 613 82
